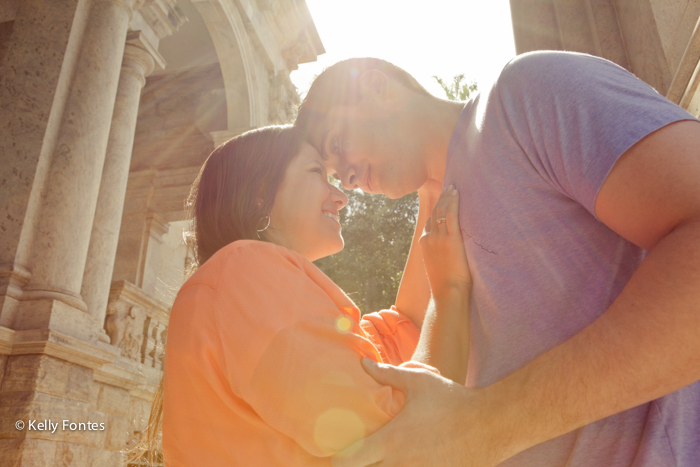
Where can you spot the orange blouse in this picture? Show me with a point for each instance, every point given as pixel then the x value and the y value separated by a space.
pixel 262 364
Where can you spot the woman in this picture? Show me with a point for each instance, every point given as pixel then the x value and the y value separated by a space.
pixel 262 363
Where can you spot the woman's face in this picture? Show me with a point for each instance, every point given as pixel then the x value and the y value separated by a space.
pixel 304 217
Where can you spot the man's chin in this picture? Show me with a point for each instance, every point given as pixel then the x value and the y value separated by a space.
pixel 395 194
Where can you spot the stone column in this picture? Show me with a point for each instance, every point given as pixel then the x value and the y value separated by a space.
pixel 66 204
pixel 137 64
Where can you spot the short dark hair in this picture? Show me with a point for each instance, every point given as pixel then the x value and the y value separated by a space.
pixel 338 85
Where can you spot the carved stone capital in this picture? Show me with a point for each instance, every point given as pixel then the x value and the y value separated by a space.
pixel 283 98
pixel 295 53
pixel 163 16
pixel 141 56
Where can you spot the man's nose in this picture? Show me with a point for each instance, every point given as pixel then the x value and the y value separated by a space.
pixel 348 178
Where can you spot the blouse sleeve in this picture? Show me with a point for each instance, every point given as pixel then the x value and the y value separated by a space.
pixel 294 356
pixel 395 336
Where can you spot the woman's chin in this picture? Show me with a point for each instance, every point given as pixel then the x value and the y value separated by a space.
pixel 340 245
pixel 330 248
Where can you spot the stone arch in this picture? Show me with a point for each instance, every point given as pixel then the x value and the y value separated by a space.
pixel 245 103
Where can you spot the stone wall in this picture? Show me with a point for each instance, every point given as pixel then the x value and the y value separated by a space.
pixel 657 40
pixel 109 109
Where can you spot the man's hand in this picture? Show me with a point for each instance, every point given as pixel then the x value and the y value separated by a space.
pixel 439 425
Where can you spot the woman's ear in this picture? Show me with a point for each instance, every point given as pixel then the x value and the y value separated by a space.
pixel 373 83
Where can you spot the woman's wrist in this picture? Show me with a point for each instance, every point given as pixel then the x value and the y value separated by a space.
pixel 450 292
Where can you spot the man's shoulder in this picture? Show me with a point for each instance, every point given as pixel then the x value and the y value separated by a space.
pixel 547 67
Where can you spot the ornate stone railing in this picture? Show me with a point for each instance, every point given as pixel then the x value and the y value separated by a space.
pixel 137 324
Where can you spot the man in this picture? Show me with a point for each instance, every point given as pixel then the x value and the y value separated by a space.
pixel 585 349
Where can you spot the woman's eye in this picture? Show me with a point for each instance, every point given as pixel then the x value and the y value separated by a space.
pixel 318 170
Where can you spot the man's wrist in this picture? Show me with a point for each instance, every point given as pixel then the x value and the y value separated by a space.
pixel 511 423
pixel 498 424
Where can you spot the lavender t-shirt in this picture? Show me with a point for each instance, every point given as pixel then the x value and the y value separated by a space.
pixel 528 157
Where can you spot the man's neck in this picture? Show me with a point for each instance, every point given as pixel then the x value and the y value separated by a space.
pixel 440 117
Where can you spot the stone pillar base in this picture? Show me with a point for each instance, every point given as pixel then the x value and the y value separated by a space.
pixel 44 400
pixel 55 315
pixel 34 452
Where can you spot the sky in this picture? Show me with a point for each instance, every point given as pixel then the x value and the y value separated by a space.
pixel 425 38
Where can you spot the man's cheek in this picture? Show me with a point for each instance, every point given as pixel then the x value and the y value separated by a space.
pixel 348 146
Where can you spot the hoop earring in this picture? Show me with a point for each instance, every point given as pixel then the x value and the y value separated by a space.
pixel 266 226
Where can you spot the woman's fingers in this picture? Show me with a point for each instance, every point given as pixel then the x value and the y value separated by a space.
pixel 452 214
pixel 440 210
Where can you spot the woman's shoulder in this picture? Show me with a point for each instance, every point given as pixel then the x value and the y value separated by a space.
pixel 261 268
pixel 243 254
pixel 243 258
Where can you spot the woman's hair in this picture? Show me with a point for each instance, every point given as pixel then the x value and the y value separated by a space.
pixel 235 189
pixel 229 200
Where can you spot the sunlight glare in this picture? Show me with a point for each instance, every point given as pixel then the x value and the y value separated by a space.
pixel 441 37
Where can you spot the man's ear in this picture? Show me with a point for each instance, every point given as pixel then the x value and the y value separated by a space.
pixel 373 83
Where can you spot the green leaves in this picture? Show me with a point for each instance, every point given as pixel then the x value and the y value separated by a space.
pixel 457 91
pixel 377 233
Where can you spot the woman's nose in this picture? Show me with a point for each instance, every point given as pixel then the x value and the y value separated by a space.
pixel 339 198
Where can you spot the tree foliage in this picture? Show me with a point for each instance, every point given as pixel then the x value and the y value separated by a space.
pixel 377 233
pixel 457 91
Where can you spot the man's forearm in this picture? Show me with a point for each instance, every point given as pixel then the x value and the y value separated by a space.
pixel 644 346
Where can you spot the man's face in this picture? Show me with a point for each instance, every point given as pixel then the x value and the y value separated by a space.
pixel 372 146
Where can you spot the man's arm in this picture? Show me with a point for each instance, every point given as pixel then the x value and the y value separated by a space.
pixel 644 346
pixel 414 292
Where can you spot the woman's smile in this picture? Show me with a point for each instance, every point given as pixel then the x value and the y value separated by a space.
pixel 332 215
pixel 294 220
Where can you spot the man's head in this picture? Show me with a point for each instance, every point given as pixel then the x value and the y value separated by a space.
pixel 371 120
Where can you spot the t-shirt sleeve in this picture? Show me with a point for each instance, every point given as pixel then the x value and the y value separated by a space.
pixel 294 356
pixel 574 115
pixel 395 336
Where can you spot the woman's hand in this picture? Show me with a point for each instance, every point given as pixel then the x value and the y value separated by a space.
pixel 444 339
pixel 443 249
